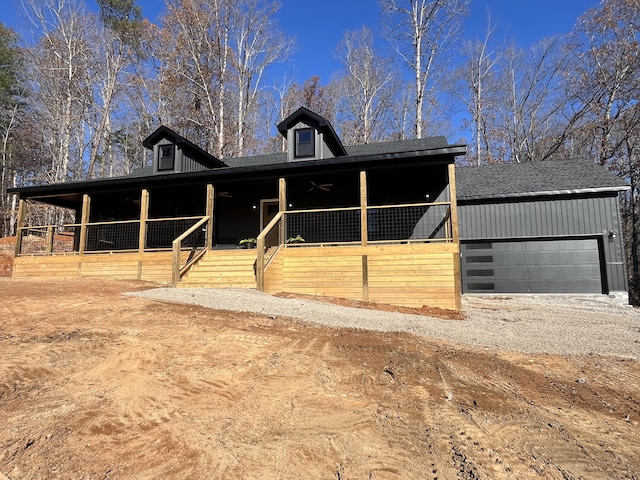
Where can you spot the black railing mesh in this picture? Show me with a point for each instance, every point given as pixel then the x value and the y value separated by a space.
pixel 162 233
pixel 333 226
pixel 401 223
pixel 419 222
pixel 63 239
pixel 34 240
pixel 112 236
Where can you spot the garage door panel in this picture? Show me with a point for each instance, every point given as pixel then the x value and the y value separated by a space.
pixel 580 257
pixel 542 272
pixel 539 266
pixel 549 286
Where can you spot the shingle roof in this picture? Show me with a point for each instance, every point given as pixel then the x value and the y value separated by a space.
pixel 535 178
pixel 146 171
pixel 255 160
pixel 430 143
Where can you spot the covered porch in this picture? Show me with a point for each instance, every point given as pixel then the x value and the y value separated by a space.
pixel 374 234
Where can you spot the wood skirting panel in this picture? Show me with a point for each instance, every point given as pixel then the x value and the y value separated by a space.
pixel 413 279
pixel 150 266
pixel 407 275
pixel 328 271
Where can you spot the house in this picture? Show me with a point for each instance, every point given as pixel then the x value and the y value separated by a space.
pixel 379 222
pixel 180 220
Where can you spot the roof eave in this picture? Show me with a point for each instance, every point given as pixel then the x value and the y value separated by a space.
pixel 230 172
pixel 576 191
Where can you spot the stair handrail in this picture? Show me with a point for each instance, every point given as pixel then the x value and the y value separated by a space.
pixel 260 263
pixel 176 270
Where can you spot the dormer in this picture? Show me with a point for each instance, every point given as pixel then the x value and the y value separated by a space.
pixel 310 137
pixel 172 153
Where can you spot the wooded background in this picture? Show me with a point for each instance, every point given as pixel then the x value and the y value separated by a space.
pixel 79 96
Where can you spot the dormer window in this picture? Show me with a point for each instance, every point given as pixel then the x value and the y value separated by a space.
pixel 166 157
pixel 304 143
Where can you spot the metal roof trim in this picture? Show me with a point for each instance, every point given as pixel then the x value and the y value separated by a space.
pixel 575 191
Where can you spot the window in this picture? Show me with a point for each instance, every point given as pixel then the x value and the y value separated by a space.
pixel 166 160
pixel 304 143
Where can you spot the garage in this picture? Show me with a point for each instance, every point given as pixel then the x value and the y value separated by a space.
pixel 532 266
pixel 541 227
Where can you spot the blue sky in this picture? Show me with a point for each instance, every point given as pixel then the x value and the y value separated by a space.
pixel 319 26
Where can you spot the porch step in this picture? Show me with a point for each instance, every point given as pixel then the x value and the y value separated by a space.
pixel 222 268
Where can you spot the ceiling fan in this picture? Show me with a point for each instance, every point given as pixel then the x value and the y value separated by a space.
pixel 320 186
pixel 224 194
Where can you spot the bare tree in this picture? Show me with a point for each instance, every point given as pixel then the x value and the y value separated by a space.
pixel 112 43
pixel 364 90
pixel 59 62
pixel 606 71
pixel 312 95
pixel 476 87
pixel 422 32
pixel 534 115
pixel 257 43
pixel 195 47
pixel 12 88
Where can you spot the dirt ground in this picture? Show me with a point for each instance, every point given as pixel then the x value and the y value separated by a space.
pixel 97 385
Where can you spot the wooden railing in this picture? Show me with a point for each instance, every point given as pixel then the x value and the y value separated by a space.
pixel 267 245
pixel 95 237
pixel 181 265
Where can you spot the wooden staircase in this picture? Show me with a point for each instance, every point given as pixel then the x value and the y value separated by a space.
pixel 222 269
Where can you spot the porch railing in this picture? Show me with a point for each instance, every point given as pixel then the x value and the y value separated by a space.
pixel 187 236
pixel 120 236
pixel 188 248
pixel 49 239
pixel 409 223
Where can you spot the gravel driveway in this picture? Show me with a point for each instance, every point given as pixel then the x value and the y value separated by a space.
pixel 531 324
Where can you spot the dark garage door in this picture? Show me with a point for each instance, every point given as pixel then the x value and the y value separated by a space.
pixel 540 266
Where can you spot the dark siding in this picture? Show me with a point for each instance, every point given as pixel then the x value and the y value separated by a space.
pixel 544 218
pixel 191 165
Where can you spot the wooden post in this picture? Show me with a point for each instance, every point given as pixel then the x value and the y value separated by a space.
pixel 175 262
pixel 454 204
pixel 363 208
pixel 22 213
pixel 86 209
pixel 49 240
pixel 282 207
pixel 455 236
pixel 211 195
pixel 260 264
pixel 144 215
pixel 364 235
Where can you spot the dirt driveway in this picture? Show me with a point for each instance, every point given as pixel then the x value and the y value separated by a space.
pixel 97 385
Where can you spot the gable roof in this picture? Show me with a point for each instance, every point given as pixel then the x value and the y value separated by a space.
pixel 165 132
pixel 549 177
pixel 322 124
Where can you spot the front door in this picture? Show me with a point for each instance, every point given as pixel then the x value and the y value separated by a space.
pixel 268 210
